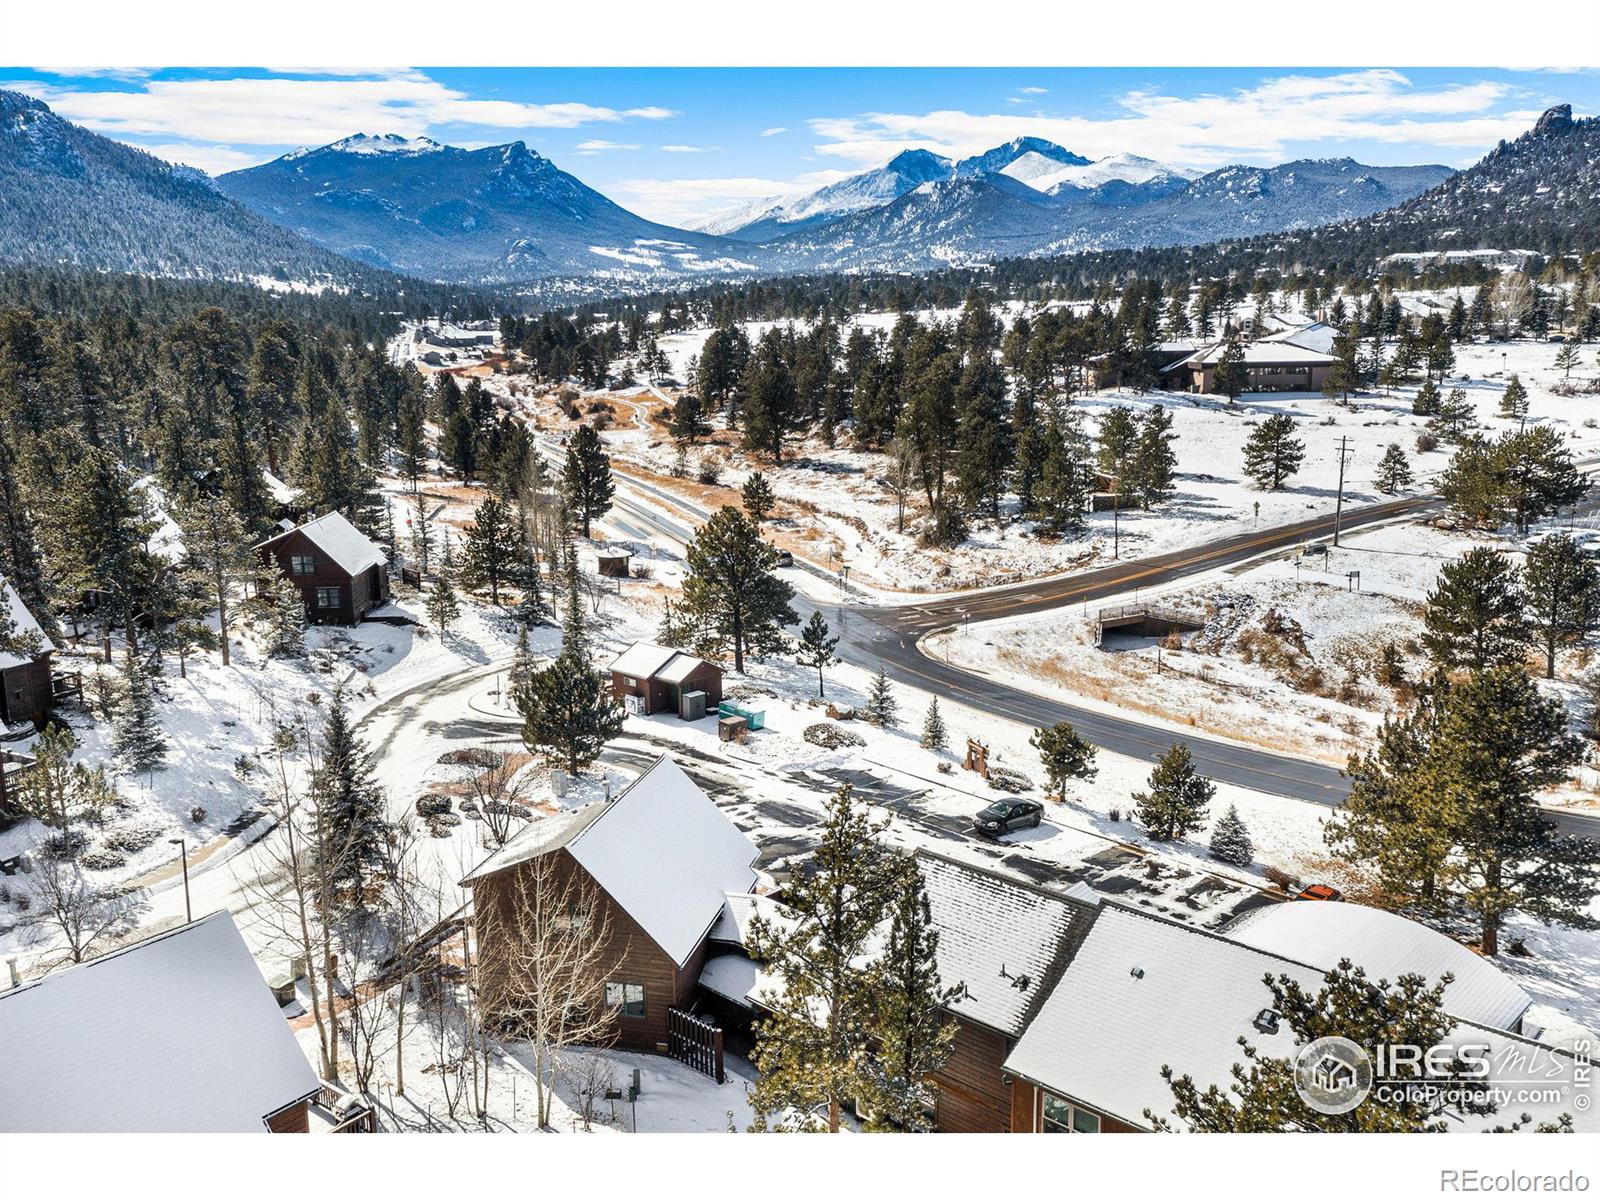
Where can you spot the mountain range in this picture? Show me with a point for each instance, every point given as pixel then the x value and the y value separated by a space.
pixel 368 205
pixel 501 214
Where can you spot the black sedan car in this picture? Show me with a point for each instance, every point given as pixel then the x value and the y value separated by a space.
pixel 1005 815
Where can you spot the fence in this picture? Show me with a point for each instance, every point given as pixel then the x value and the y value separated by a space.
pixel 695 1042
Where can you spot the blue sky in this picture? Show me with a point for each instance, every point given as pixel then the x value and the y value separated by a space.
pixel 678 143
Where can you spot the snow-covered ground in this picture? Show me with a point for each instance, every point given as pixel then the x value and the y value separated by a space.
pixel 835 510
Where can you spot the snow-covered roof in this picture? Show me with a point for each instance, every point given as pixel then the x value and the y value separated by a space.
pixel 1001 940
pixel 661 849
pixel 1143 992
pixel 679 667
pixel 1387 946
pixel 735 977
pixel 24 623
pixel 643 659
pixel 341 541
pixel 175 1034
pixel 1268 353
pixel 539 836
pixel 739 909
pixel 1316 335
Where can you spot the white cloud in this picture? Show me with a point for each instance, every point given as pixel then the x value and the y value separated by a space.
pixel 677 149
pixel 1207 130
pixel 213 160
pixel 775 131
pixel 284 111
pixel 679 201
pixel 600 146
pixel 1033 91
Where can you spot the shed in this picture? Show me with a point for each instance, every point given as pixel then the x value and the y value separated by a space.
pixel 656 678
pixel 613 564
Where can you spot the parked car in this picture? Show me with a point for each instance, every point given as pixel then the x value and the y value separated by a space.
pixel 785 559
pixel 1320 891
pixel 1003 816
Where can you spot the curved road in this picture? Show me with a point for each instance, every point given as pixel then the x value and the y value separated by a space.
pixel 890 634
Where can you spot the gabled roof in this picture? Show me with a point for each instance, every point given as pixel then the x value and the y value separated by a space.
pixel 175 1034
pixel 739 909
pixel 1387 945
pixel 661 849
pixel 24 623
pixel 643 659
pixel 341 541
pixel 1316 335
pixel 1002 941
pixel 679 667
pixel 1143 992
pixel 1271 352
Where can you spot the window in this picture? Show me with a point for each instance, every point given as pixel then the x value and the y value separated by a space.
pixel 328 597
pixel 626 998
pixel 301 564
pixel 1062 1117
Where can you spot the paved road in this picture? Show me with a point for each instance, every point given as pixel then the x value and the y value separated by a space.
pixel 889 634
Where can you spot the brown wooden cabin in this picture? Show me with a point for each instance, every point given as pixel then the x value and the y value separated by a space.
pixel 342 574
pixel 26 688
pixel 663 859
pixel 173 1034
pixel 660 677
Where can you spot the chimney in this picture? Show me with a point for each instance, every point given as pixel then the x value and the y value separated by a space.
pixel 11 971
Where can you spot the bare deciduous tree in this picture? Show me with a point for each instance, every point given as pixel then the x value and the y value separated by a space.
pixel 544 938
pixel 500 788
pixel 68 904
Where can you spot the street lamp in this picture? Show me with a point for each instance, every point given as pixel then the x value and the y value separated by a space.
pixel 183 856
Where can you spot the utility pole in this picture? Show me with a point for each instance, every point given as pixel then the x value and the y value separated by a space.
pixel 1338 504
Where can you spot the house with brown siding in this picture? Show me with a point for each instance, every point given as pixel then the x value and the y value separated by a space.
pixel 341 573
pixel 25 658
pixel 664 860
pixel 1271 365
pixel 177 1033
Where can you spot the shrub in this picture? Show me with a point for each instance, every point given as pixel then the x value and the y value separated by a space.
pixel 1114 815
pixel 831 737
pixel 1006 780
pixel 1279 879
pixel 133 836
pixel 432 804
pixel 1426 442
pixel 102 858
pixel 471 756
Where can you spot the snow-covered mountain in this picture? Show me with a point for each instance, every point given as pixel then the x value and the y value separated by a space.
pixel 1130 169
pixel 1021 158
pixel 501 214
pixel 773 217
pixel 69 197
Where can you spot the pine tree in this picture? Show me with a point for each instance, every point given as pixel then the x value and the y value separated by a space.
pixel 1561 587
pixel 1394 472
pixel 771 403
pixel 1176 803
pixel 731 592
pixel 1273 454
pixel 586 478
pixel 352 831
pixel 1426 402
pixel 444 610
pixel 934 736
pixel 422 539
pixel 1153 478
pixel 1447 809
pixel 139 741
pixel 688 423
pixel 568 712
pixel 1230 376
pixel 912 1037
pixel 813 1049
pixel 1230 840
pixel 1262 1096
pixel 286 619
pixel 1061 495
pixel 816 647
pixel 1456 418
pixel 1514 400
pixel 1474 616
pixel 1064 755
pixel 215 539
pixel 882 709
pixel 1117 438
pixel 758 498
pixel 1566 358
pixel 494 545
